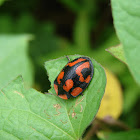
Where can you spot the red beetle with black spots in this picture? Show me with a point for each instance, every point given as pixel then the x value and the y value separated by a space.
pixel 74 78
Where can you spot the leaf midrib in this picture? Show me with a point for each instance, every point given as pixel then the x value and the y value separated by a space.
pixel 44 120
pixel 41 117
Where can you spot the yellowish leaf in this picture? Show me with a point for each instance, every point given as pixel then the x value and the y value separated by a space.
pixel 111 104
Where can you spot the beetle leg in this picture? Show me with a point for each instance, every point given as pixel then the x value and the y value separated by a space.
pixel 50 93
pixel 68 95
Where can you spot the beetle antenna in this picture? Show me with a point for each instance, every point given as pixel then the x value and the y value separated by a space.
pixel 68 58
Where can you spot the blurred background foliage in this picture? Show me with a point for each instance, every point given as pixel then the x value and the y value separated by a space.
pixel 66 27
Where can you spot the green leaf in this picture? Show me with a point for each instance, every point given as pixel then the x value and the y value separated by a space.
pixel 28 114
pixel 80 111
pixel 14 59
pixel 126 14
pixel 117 52
pixel 130 135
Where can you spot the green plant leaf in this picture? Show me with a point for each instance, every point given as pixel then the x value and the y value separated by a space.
pixel 80 111
pixel 28 114
pixel 126 16
pixel 130 135
pixel 14 59
pixel 117 52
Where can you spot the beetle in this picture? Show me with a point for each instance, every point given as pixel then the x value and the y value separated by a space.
pixel 74 78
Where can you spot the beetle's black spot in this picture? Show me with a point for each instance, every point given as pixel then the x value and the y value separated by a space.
pixel 86 72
